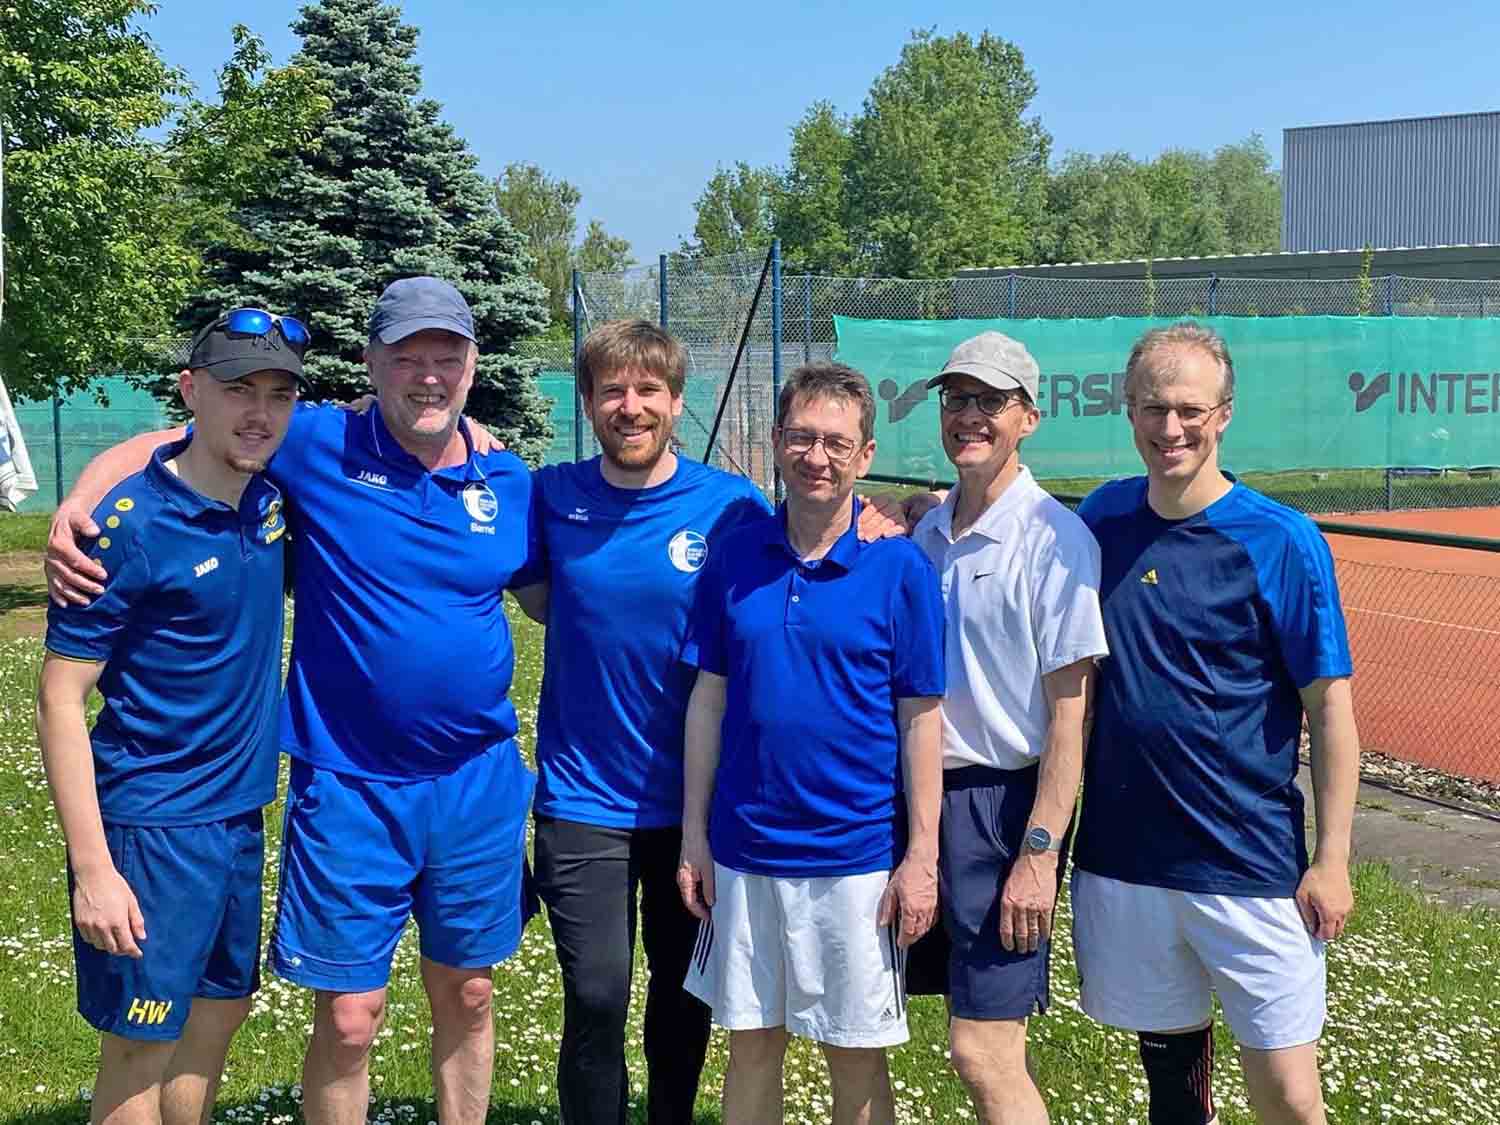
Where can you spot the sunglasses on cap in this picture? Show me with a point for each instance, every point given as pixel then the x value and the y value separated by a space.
pixel 258 322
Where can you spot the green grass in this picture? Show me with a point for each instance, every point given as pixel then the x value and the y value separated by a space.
pixel 24 531
pixel 1414 1031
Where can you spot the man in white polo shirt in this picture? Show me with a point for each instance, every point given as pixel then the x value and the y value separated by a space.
pixel 1020 582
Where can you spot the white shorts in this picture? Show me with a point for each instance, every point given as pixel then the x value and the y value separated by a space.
pixel 1149 959
pixel 804 954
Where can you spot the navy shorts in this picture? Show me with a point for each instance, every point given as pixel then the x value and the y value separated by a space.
pixel 359 857
pixel 985 812
pixel 198 887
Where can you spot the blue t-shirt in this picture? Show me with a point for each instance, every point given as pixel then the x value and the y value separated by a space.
pixel 401 653
pixel 623 566
pixel 1214 622
pixel 816 655
pixel 190 627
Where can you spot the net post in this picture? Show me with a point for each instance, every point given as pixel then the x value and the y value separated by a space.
pixel 776 310
pixel 577 348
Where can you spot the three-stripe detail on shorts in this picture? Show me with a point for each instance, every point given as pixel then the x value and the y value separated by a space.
pixel 704 945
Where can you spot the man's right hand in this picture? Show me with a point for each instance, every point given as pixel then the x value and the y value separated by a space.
pixel 107 914
pixel 72 577
pixel 695 875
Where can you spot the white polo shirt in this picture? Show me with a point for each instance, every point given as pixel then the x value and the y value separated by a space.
pixel 1021 593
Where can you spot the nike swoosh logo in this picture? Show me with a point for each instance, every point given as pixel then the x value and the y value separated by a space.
pixel 983 574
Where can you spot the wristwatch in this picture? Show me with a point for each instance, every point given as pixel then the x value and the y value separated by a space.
pixel 1038 839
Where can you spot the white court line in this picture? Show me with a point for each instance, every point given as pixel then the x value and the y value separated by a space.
pixel 1421 620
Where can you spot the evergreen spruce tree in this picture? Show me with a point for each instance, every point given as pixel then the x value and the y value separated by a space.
pixel 391 191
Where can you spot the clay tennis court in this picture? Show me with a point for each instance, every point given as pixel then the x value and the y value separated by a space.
pixel 1424 626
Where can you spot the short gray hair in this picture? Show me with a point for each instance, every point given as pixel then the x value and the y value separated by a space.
pixel 1183 334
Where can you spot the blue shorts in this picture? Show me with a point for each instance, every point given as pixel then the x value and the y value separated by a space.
pixel 198 887
pixel 359 857
pixel 985 812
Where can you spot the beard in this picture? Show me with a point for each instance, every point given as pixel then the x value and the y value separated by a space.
pixel 635 457
pixel 244 464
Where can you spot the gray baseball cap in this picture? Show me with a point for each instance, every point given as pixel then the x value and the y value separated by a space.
pixel 995 360
pixel 415 303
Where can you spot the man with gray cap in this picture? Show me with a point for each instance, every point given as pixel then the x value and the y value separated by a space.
pixel 1020 581
pixel 408 797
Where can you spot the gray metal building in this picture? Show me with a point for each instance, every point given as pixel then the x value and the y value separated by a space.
pixel 1421 181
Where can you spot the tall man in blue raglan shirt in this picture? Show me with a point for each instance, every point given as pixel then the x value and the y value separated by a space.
pixel 161 804
pixel 624 537
pixel 408 796
pixel 813 734
pixel 1191 869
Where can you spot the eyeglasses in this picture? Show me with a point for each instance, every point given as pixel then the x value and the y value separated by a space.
pixel 258 322
pixel 990 403
pixel 1191 415
pixel 835 446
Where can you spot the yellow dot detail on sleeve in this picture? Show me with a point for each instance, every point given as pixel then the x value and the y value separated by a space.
pixel 124 504
pixel 113 521
pixel 104 542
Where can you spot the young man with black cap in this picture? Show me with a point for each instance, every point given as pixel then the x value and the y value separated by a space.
pixel 408 797
pixel 1020 581
pixel 161 804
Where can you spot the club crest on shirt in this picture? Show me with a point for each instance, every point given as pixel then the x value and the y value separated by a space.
pixel 480 503
pixel 688 551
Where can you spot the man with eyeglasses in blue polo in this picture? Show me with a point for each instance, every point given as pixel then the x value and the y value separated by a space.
pixel 161 803
pixel 408 797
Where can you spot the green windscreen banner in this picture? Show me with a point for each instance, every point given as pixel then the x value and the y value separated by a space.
pixel 1312 392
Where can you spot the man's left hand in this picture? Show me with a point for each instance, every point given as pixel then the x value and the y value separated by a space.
pixel 1027 900
pixel 1325 899
pixel 911 896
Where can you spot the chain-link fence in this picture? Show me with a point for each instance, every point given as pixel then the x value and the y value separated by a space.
pixel 706 303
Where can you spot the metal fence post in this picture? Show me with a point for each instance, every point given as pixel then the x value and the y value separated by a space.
pixel 1390 294
pixel 807 318
pixel 661 284
pixel 1213 294
pixel 775 350
pixel 57 450
pixel 1012 289
pixel 577 348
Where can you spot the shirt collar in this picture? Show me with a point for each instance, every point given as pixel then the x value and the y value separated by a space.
pixel 842 554
pixel 254 501
pixel 990 520
pixel 392 452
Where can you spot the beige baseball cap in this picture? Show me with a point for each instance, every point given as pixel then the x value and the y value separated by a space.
pixel 995 360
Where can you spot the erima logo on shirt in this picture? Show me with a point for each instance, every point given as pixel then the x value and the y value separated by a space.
pixel 580 515
pixel 688 551
pixel 480 503
pixel 1149 578
pixel 205 566
pixel 147 1012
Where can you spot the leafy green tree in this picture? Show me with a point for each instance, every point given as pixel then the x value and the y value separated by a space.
pixel 103 224
pixel 735 212
pixel 545 211
pixel 602 252
pixel 1098 209
pixel 1249 196
pixel 388 191
pixel 812 205
pixel 946 171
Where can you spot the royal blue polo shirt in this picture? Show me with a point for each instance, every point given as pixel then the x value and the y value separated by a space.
pixel 189 628
pixel 623 566
pixel 401 653
pixel 816 656
pixel 1214 622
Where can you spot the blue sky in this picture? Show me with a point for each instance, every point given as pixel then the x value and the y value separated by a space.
pixel 636 104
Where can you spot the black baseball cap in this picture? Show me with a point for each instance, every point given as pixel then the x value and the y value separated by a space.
pixel 228 355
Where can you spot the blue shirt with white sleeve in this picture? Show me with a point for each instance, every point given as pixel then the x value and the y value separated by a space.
pixel 623 566
pixel 816 655
pixel 189 628
pixel 1214 623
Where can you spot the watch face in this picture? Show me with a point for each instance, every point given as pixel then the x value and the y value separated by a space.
pixel 1038 838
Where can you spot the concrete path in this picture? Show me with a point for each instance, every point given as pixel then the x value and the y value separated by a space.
pixel 1451 856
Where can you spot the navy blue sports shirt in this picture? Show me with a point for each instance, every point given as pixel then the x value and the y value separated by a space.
pixel 1214 623
pixel 816 655
pixel 190 626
